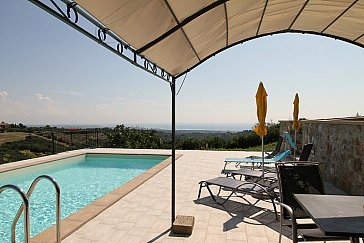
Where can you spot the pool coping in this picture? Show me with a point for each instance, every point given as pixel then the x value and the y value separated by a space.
pixel 41 160
pixel 74 221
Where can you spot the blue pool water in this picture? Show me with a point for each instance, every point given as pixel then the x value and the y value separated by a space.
pixel 82 180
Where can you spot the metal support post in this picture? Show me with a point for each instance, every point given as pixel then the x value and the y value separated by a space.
pixel 173 90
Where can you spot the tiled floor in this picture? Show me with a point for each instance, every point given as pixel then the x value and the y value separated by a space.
pixel 144 215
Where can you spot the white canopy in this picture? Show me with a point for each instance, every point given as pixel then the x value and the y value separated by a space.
pixel 177 35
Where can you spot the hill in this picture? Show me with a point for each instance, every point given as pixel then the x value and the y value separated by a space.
pixel 12 137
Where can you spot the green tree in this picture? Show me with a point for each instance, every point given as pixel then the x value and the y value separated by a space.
pixel 272 133
pixel 125 137
pixel 29 154
pixel 6 158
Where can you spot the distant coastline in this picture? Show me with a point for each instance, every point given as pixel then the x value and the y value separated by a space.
pixel 164 126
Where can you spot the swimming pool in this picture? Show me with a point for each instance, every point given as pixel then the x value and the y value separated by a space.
pixel 82 180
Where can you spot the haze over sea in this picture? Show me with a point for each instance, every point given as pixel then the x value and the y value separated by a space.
pixel 166 126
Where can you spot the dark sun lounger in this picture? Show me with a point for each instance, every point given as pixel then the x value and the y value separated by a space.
pixel 242 187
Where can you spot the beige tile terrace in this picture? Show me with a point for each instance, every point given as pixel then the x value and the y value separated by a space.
pixel 144 214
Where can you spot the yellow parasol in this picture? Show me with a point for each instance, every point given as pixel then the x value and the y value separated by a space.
pixel 261 129
pixel 296 124
pixel 261 100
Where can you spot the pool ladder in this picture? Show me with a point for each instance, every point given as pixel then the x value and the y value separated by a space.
pixel 25 207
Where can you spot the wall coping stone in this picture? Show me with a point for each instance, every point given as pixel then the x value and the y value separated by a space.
pixel 336 121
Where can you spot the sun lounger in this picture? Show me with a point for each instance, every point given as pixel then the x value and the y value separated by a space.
pixel 269 175
pixel 276 150
pixel 289 139
pixel 254 161
pixel 255 175
pixel 237 187
pixel 271 154
pixel 268 179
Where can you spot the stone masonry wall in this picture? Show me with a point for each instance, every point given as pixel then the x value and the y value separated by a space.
pixel 340 144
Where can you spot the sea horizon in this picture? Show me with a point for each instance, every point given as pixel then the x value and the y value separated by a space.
pixel 161 126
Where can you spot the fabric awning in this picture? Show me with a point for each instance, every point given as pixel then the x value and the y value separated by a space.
pixel 177 35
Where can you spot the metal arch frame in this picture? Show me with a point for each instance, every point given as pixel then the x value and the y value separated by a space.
pixel 262 17
pixel 149 66
pixel 179 28
pixel 180 25
pixel 289 30
pixel 118 50
pixel 270 34
pixel 103 32
pixel 298 14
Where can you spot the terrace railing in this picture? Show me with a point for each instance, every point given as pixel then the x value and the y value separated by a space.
pixel 70 139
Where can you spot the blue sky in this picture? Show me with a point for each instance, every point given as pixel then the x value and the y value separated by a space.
pixel 52 74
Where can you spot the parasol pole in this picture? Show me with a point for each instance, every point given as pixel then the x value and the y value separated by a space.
pixel 262 157
pixel 295 142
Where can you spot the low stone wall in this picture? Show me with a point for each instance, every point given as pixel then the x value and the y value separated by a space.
pixel 340 144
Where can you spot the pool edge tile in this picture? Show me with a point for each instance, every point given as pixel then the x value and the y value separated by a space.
pixel 49 235
pixel 87 213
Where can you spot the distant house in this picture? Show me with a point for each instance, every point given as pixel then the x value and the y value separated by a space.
pixel 3 126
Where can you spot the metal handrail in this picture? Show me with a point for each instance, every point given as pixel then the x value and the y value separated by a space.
pixel 58 207
pixel 24 204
